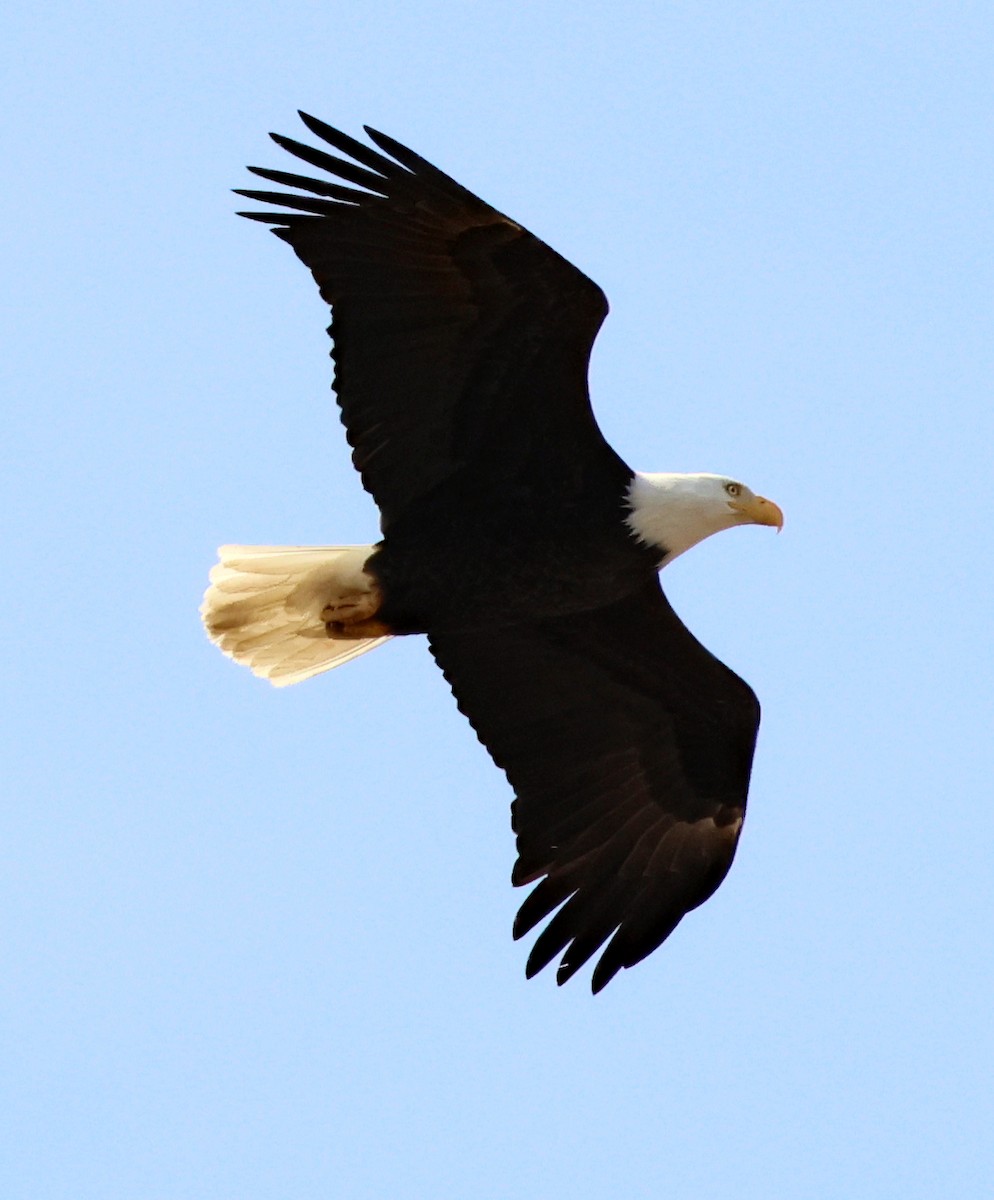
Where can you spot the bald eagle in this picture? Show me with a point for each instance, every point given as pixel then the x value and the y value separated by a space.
pixel 517 540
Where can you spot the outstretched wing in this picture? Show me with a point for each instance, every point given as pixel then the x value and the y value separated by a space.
pixel 455 330
pixel 629 748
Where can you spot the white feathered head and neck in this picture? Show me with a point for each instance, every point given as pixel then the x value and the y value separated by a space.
pixel 674 512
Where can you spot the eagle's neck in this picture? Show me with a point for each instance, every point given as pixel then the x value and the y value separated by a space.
pixel 672 512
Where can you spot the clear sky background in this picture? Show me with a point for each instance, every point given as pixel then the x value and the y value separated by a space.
pixel 256 944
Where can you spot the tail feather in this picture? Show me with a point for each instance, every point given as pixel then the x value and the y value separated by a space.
pixel 263 608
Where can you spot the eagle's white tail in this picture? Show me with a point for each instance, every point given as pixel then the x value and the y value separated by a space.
pixel 263 607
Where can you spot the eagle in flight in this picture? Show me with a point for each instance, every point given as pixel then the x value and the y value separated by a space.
pixel 516 539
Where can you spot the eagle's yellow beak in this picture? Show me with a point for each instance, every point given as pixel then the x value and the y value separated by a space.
pixel 759 511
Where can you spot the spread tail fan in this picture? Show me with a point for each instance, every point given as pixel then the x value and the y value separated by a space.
pixel 263 607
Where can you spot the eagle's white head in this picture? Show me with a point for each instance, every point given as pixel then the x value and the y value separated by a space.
pixel 674 512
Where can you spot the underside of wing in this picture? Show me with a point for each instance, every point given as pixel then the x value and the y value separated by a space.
pixel 629 748
pixel 456 332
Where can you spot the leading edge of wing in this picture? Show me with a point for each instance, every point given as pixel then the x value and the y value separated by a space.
pixel 399 189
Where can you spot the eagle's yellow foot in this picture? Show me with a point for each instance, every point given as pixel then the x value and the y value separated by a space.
pixel 352 606
pixel 357 629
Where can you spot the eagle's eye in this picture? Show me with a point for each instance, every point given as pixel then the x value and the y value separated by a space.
pixel 733 489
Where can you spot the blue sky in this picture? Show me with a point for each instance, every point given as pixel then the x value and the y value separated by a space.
pixel 256 944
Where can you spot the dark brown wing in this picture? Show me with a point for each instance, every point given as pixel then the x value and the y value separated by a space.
pixel 456 332
pixel 629 747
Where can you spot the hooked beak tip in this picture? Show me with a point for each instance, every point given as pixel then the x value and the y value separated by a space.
pixel 775 514
pixel 763 512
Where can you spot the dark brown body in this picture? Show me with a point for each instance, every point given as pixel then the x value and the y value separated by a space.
pixel 457 559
